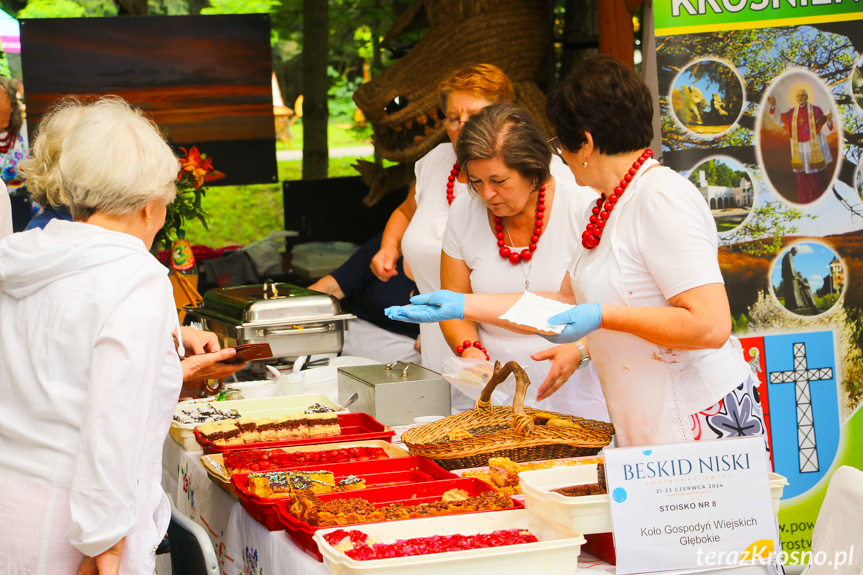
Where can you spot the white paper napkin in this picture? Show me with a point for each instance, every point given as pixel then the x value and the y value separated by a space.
pixel 532 311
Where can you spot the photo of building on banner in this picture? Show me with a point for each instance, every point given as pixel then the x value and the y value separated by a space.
pixel 762 109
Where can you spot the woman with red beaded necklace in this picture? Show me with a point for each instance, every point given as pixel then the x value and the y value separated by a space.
pixel 516 230
pixel 648 293
pixel 415 228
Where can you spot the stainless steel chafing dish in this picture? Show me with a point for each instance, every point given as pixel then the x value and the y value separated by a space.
pixel 293 320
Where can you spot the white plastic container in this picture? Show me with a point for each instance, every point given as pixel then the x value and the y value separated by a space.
pixel 586 514
pixel 258 389
pixel 184 433
pixel 569 515
pixel 292 383
pixel 777 486
pixel 550 555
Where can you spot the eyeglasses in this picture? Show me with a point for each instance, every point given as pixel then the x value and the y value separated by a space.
pixel 453 124
pixel 554 144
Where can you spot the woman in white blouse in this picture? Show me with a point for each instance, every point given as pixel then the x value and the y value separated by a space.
pixel 89 372
pixel 646 287
pixel 516 231
pixel 415 228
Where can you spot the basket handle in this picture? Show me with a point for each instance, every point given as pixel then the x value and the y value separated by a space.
pixel 521 422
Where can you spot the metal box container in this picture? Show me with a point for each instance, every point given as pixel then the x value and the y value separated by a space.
pixel 293 320
pixel 395 394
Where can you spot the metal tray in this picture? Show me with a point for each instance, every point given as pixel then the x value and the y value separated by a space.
pixel 293 320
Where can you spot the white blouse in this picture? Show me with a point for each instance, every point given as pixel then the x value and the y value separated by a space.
pixel 469 238
pixel 660 241
pixel 89 378
pixel 421 247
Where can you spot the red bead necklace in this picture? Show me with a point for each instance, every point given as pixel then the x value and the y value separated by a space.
pixel 604 206
pixel 5 142
pixel 450 182
pixel 527 253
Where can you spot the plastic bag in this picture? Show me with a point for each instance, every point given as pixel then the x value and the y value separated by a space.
pixel 469 376
pixel 265 252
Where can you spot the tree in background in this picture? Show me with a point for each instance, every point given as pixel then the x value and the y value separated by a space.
pixel 717 174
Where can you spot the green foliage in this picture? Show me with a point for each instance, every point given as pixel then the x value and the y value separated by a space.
pixel 341 96
pixel 187 207
pixel 740 325
pixel 98 8
pixel 52 9
pixel 244 214
pixel 718 174
pixel 762 232
pixel 167 7
pixel 68 8
pixel 241 6
pixel 826 302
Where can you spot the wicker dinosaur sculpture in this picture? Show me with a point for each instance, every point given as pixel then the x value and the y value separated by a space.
pixel 514 35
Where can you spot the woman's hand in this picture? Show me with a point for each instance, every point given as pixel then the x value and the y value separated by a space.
pixel 579 320
pixel 564 362
pixel 384 263
pixel 473 353
pixel 198 341
pixel 106 563
pixel 210 365
pixel 440 305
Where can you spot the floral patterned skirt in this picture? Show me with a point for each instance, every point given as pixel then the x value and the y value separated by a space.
pixel 736 415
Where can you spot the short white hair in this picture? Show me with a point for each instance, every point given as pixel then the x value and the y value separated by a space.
pixel 40 170
pixel 115 160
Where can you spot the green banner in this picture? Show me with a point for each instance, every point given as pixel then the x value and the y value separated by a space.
pixel 690 16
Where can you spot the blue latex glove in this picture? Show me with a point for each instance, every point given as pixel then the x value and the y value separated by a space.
pixel 579 320
pixel 431 307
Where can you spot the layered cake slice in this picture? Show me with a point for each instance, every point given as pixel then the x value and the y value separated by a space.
pixel 295 426
pixel 249 430
pixel 324 424
pixel 268 429
pixel 221 432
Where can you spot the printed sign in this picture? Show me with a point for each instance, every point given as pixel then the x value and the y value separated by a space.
pixel 690 505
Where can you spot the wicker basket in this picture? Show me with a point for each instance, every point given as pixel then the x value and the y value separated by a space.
pixel 497 431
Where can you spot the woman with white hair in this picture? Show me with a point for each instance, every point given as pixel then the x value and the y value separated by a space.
pixel 89 371
pixel 40 169
pixel 205 359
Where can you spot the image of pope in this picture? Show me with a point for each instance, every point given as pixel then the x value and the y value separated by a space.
pixel 810 153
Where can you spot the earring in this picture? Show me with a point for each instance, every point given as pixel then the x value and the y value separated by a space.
pixel 584 164
pixel 147 221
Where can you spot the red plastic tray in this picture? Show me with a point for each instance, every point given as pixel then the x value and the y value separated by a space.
pixel 302 533
pixel 268 459
pixel 376 472
pixel 396 470
pixel 601 546
pixel 355 427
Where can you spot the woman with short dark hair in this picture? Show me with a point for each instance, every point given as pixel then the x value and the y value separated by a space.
pixel 648 293
pixel 516 231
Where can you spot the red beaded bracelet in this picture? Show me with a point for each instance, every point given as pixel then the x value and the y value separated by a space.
pixel 467 343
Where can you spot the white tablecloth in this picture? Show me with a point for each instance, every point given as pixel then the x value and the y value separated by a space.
pixel 244 546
